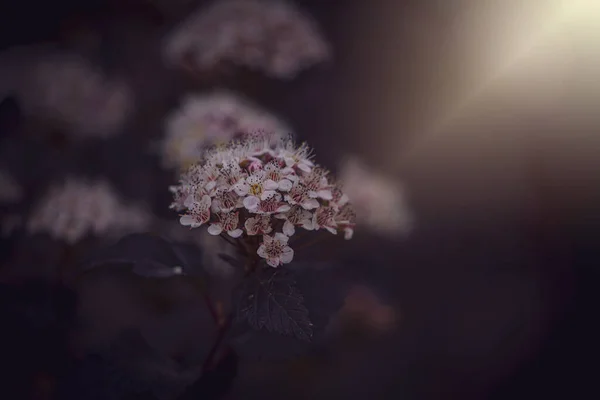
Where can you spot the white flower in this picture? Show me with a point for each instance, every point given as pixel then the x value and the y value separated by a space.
pixel 77 208
pixel 256 188
pixel 346 220
pixel 317 184
pixel 299 158
pixel 198 212
pixel 272 204
pixel 234 176
pixel 272 36
pixel 71 91
pixel 275 251
pixel 210 119
pixel 227 222
pixel 300 194
pixel 296 216
pixel 324 218
pixel 258 225
pixel 284 177
pixel 226 201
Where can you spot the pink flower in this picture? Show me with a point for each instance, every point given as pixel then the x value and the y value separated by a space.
pixel 233 175
pixel 225 201
pixel 256 188
pixel 275 251
pixel 296 216
pixel 272 204
pixel 317 184
pixel 227 222
pixel 282 176
pixel 299 195
pixel 324 217
pixel 298 158
pixel 338 197
pixel 258 225
pixel 198 212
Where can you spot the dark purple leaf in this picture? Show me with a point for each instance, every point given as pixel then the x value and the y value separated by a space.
pixel 152 269
pixel 135 248
pixel 323 289
pixel 231 260
pixel 150 255
pixel 269 299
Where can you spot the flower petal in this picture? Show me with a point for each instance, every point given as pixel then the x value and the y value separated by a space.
pixel 310 204
pixel 270 185
pixel 215 229
pixel 302 166
pixel 251 203
pixel 241 188
pixel 205 202
pixel 186 220
pixel 325 194
pixel 283 208
pixel 284 185
pixel 287 255
pixel 273 262
pixel 280 237
pixel 269 193
pixel 235 233
pixel 189 201
pixel 348 233
pixel 210 185
pixel 262 252
pixel 308 224
pixel 288 228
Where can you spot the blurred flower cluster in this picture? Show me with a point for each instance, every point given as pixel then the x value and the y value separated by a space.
pixel 205 120
pixel 268 35
pixel 76 208
pixel 255 187
pixel 71 92
pixel 378 200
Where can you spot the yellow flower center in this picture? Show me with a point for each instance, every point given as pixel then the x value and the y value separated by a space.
pixel 256 189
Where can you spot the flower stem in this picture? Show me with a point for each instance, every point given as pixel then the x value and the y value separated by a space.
pixel 211 308
pixel 224 325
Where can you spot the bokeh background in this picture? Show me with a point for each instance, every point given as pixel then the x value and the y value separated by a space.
pixel 485 111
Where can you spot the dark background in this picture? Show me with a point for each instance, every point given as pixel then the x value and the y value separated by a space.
pixel 498 300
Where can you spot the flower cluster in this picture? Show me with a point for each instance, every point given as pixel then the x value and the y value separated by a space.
pixel 265 188
pixel 75 209
pixel 268 35
pixel 72 92
pixel 378 201
pixel 205 120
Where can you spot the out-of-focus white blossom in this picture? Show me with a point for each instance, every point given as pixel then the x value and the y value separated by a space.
pixel 212 119
pixel 71 91
pixel 76 209
pixel 10 191
pixel 269 35
pixel 262 188
pixel 378 201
